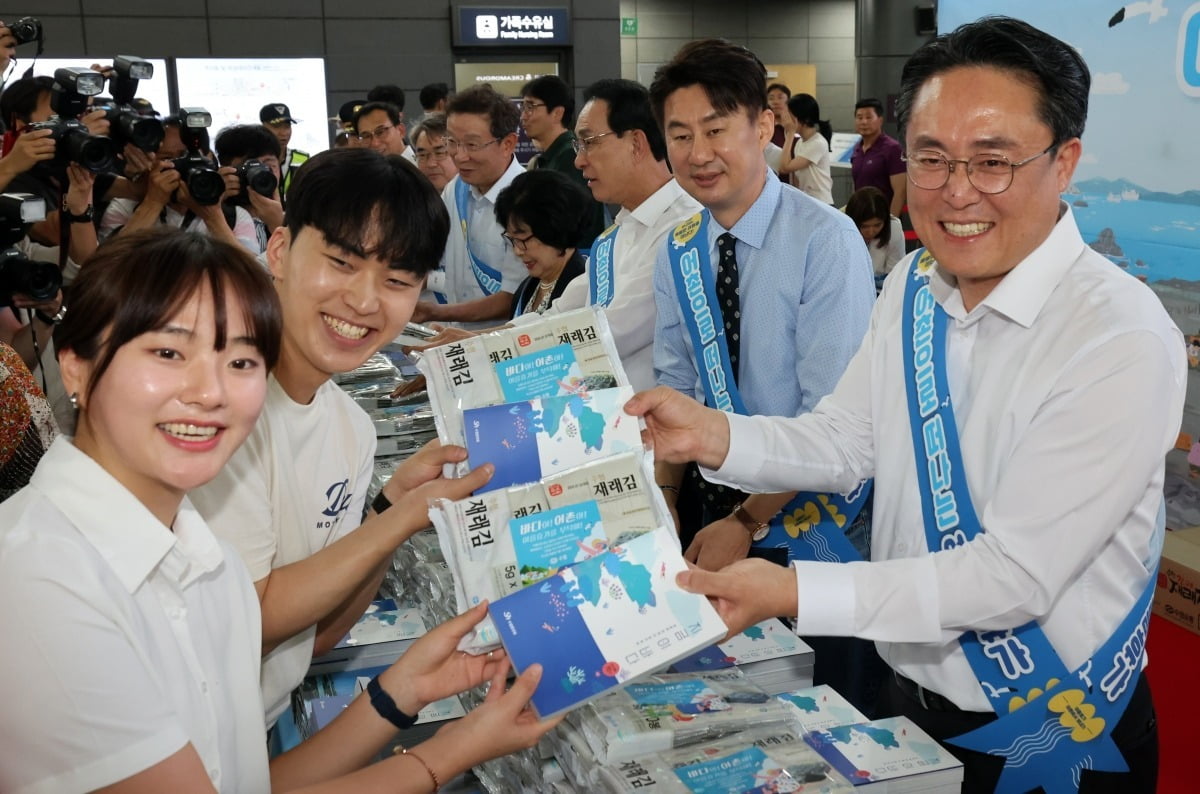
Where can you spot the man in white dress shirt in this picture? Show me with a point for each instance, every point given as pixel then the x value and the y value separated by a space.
pixel 1063 378
pixel 479 272
pixel 623 157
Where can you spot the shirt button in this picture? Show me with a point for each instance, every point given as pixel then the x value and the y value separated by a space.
pixel 204 687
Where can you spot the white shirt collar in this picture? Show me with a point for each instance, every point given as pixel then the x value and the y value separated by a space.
pixel 514 170
pixel 1023 292
pixel 125 533
pixel 649 211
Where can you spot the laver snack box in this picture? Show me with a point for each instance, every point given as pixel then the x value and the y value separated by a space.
pixel 1177 592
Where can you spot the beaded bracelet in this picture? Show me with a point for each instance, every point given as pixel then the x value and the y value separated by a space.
pixel 437 784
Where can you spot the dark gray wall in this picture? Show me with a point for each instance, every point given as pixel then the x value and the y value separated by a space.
pixel 885 36
pixel 819 32
pixel 364 42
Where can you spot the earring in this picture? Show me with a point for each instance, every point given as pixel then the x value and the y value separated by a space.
pixel 74 398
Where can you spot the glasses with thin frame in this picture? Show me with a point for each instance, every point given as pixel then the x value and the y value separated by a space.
pixel 929 169
pixel 471 147
pixel 517 243
pixel 584 145
pixel 378 133
pixel 530 105
pixel 436 154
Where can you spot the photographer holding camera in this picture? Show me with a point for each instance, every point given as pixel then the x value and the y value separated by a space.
pixel 249 157
pixel 184 189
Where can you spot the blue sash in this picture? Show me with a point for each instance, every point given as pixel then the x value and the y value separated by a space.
pixel 488 278
pixel 600 268
pixel 1053 723
pixel 811 526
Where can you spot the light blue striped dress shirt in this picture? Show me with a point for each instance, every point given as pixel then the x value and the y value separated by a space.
pixel 806 295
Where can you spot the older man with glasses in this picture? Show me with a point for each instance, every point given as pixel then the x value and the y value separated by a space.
pixel 380 126
pixel 433 155
pixel 478 275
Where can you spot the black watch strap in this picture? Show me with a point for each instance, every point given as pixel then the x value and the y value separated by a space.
pixel 380 503
pixel 87 216
pixel 386 707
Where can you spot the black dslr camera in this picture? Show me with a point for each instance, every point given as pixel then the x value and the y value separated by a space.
pixel 257 177
pixel 127 125
pixel 73 142
pixel 19 274
pixel 198 172
pixel 27 29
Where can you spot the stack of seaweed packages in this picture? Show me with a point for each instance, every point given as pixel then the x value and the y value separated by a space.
pixel 564 370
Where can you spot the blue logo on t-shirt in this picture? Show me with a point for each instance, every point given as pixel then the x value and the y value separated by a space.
pixel 339 497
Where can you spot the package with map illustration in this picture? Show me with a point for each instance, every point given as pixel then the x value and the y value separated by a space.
pixel 500 541
pixel 760 760
pixel 530 440
pixel 672 710
pixel 891 754
pixel 599 625
pixel 568 353
pixel 817 708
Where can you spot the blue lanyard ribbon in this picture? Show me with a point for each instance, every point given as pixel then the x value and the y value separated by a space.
pixel 1053 723
pixel 488 278
pixel 811 526
pixel 600 268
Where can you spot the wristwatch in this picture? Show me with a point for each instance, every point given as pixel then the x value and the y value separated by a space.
pixel 52 320
pixel 84 217
pixel 757 529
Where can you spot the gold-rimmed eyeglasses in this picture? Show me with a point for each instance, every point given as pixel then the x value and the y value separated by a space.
pixel 929 169
pixel 584 145
pixel 471 147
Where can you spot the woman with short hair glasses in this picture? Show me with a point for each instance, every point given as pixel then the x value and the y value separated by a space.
pixel 544 214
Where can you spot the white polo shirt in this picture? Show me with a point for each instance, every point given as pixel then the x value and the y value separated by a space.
pixel 124 640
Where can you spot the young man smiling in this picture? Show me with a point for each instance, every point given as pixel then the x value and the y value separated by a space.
pixel 348 274
pixel 475 282
pixel 803 289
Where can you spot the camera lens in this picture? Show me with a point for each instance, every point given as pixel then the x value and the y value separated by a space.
pixel 43 281
pixel 19 274
pixel 260 179
pixel 144 133
pixel 26 29
pixel 205 185
pixel 94 153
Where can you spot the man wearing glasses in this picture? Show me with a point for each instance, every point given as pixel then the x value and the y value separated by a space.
pixel 475 282
pixel 547 113
pixel 1013 399
pixel 433 157
pixel 620 152
pixel 380 126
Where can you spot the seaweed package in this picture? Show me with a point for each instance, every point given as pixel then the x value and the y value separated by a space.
pixel 568 353
pixel 498 542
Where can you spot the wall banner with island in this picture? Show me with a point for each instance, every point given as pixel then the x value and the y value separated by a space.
pixel 1136 194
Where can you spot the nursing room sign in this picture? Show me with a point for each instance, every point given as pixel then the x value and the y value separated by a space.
pixel 511 27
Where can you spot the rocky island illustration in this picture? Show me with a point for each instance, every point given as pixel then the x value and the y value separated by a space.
pixel 1155 237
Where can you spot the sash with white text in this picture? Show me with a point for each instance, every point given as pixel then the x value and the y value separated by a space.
pixel 488 278
pixel 812 525
pixel 600 268
pixel 1053 723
